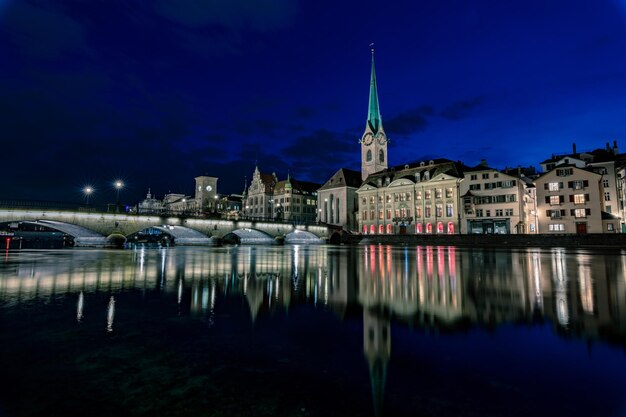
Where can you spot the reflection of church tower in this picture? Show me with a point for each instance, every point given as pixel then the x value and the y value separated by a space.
pixel 377 348
pixel 374 140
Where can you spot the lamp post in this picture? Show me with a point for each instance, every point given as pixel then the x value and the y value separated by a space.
pixel 88 190
pixel 118 186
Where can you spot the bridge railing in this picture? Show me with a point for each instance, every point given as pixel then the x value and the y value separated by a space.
pixel 111 208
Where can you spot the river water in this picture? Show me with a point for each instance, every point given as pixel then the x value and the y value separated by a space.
pixel 313 331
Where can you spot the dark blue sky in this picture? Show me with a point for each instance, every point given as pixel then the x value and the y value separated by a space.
pixel 158 92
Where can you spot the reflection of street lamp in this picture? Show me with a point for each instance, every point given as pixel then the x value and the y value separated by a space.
pixel 88 190
pixel 215 197
pixel 118 186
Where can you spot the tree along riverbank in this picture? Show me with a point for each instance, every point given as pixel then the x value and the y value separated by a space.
pixel 576 241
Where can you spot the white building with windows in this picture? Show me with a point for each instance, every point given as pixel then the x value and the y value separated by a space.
pixel 568 201
pixel 497 203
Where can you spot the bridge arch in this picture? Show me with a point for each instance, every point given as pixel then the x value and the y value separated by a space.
pixel 302 237
pixel 180 235
pixel 82 236
pixel 248 236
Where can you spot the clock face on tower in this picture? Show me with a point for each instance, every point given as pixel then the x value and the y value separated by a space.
pixel 209 188
pixel 381 138
pixel 368 138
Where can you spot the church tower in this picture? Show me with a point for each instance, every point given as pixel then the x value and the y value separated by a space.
pixel 374 141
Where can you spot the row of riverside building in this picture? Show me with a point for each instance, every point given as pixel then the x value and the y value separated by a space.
pixel 576 193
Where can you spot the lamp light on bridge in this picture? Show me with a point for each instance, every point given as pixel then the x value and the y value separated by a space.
pixel 87 191
pixel 118 184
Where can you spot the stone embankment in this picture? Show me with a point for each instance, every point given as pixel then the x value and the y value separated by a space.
pixel 572 241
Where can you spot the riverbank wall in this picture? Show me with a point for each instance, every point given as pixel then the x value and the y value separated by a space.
pixel 569 241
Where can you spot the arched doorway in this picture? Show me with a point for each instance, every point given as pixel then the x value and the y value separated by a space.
pixel 389 229
pixel 381 229
pixel 439 227
pixel 372 230
pixel 429 228
pixel 419 228
pixel 450 228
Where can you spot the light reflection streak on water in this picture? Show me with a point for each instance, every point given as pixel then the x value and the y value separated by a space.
pixel 79 307
pixel 110 314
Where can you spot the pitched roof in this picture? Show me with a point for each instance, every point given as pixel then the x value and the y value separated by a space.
pixel 438 166
pixel 296 185
pixel 343 178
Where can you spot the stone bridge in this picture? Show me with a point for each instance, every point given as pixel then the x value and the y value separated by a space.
pixel 93 229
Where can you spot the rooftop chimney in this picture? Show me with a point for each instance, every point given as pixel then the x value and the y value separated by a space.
pixel 615 150
pixel 608 147
pixel 574 148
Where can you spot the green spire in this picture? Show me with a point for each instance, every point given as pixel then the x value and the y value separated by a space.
pixel 373 113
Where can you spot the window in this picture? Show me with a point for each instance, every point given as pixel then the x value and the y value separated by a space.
pixel 610 227
pixel 438 193
pixel 579 199
pixel 555 200
pixel 605 183
pixel 474 187
pixel 564 172
pixel 368 157
pixel 607 196
pixel 388 214
pixel 364 215
pixel 488 213
pixel 449 192
pixel 363 200
pixel 449 210
pixel 554 214
pixel 553 186
pixel 486 176
pixel 418 212
pixel 427 194
pixel 508 212
pixel 499 212
pixel 580 213
pixel 380 214
pixel 371 214
pixel 418 195
pixel 473 177
pixel 427 211
pixel 557 227
pixel 372 200
pixel 389 198
pixel 439 210
pixel 381 229
pixel 479 213
pixel 380 198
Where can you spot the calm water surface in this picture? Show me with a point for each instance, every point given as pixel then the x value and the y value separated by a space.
pixel 313 331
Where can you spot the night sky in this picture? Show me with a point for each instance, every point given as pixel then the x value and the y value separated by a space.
pixel 158 92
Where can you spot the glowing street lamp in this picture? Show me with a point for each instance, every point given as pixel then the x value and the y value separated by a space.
pixel 88 190
pixel 118 186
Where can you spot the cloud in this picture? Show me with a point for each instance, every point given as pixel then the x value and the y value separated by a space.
pixel 408 122
pixel 461 109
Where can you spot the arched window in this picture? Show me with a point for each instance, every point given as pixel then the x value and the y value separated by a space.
pixel 364 229
pixel 372 229
pixel 439 227
pixel 368 157
pixel 450 228
pixel 429 228
pixel 389 229
pixel 381 229
pixel 381 156
pixel 418 228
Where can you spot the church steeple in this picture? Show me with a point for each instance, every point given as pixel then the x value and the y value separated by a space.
pixel 374 120
pixel 374 140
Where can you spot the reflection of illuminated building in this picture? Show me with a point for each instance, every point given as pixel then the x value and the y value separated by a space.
pixel 377 349
pixel 583 292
